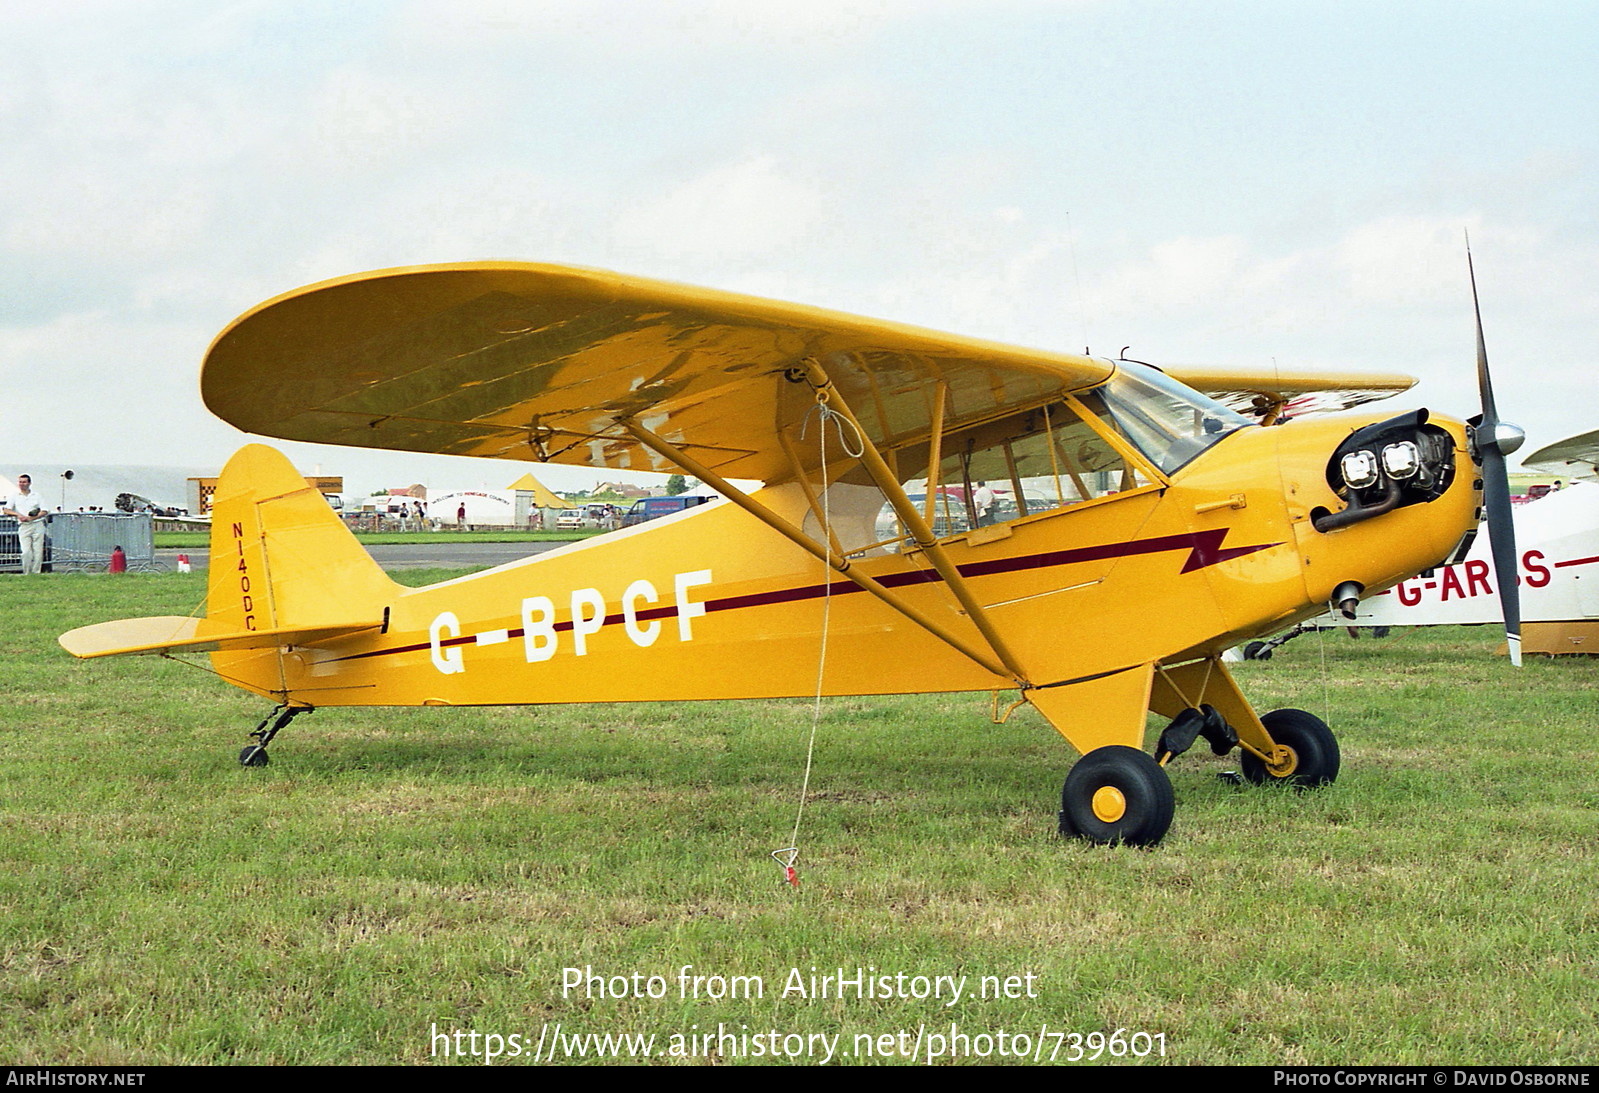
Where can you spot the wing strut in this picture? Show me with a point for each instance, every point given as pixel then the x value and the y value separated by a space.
pixel 766 516
pixel 935 450
pixel 926 541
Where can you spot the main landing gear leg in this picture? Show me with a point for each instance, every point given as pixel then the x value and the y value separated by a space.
pixel 255 755
pixel 1117 793
pixel 1288 747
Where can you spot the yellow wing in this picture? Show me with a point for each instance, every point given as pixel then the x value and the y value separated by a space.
pixel 543 363
pixel 1270 394
pixel 1576 457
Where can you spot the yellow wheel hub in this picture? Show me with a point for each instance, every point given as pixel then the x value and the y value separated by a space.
pixel 1109 804
pixel 1283 762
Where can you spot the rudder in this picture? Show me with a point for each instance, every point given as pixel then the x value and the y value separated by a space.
pixel 280 555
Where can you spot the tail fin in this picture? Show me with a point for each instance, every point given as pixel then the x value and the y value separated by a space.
pixel 284 570
pixel 281 557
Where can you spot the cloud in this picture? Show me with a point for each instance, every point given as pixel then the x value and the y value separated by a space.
pixel 736 211
pixel 358 122
pixel 123 400
pixel 1410 263
pixel 169 164
pixel 616 28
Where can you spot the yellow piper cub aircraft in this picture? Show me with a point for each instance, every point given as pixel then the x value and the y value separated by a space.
pixel 1089 534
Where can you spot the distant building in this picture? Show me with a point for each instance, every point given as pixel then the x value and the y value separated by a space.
pixel 620 489
pixel 201 489
pixel 542 497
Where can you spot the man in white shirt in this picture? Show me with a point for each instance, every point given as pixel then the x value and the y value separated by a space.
pixel 983 500
pixel 30 513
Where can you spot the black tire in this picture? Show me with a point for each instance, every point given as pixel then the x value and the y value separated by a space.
pixel 1315 756
pixel 1117 794
pixel 254 756
pixel 1257 650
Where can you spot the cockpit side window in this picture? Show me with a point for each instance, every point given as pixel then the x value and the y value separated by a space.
pixel 1037 461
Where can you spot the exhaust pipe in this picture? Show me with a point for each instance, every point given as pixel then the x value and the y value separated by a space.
pixel 1346 597
pixel 1325 521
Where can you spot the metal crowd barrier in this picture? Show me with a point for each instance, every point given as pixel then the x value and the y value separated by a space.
pixel 82 542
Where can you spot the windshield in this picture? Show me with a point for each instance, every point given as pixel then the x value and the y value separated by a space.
pixel 1168 422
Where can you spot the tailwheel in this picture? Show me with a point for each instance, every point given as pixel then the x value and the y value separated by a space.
pixel 255 755
pixel 1306 753
pixel 1116 794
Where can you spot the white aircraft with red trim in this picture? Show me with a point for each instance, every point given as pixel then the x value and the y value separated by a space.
pixel 1558 539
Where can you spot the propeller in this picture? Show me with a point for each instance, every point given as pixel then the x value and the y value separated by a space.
pixel 1494 440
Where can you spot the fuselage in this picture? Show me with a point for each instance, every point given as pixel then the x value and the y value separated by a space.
pixel 712 603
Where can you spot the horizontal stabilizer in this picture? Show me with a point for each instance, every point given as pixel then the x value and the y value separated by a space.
pixel 183 633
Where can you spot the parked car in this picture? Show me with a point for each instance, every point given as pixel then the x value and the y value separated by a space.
pixel 653 508
pixel 606 517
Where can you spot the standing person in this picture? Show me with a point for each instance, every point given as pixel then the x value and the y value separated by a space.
pixel 460 517
pixel 983 500
pixel 30 514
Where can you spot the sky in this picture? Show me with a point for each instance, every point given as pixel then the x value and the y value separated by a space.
pixel 1240 184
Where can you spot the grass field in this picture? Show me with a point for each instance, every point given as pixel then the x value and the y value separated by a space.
pixel 394 873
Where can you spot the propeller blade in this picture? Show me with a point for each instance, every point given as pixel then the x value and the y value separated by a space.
pixel 1495 440
pixel 1485 387
pixel 1502 539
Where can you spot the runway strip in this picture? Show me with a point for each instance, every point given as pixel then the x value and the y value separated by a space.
pixel 443 554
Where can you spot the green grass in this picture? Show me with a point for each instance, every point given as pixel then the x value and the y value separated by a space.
pixel 393 870
pixel 195 540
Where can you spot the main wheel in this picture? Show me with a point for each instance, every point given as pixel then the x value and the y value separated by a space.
pixel 254 756
pixel 1116 794
pixel 1311 751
